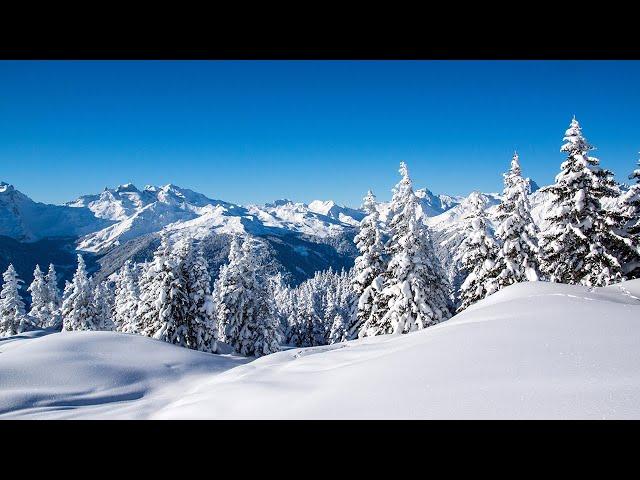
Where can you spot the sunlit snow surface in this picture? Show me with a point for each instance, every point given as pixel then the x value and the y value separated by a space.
pixel 535 350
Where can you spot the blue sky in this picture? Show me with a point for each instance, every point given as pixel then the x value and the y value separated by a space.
pixel 254 131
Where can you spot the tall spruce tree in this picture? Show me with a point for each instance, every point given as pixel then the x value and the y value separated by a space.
pixel 368 266
pixel 578 244
pixel 199 331
pixel 244 300
pixel 78 306
pixel 54 298
pixel 627 211
pixel 516 231
pixel 103 297
pixel 126 299
pixel 41 303
pixel 478 255
pixel 415 293
pixel 13 319
pixel 154 287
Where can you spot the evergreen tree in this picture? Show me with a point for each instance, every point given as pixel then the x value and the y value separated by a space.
pixel 78 307
pixel 54 298
pixel 516 231
pixel 627 211
pixel 478 254
pixel 155 286
pixel 577 247
pixel 244 300
pixel 367 267
pixel 200 330
pixel 13 319
pixel 126 299
pixel 104 300
pixel 228 292
pixel 172 324
pixel 41 304
pixel 415 293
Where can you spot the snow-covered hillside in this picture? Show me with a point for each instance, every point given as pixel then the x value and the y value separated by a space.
pixel 532 350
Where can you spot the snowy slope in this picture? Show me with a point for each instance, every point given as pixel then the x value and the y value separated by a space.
pixel 534 350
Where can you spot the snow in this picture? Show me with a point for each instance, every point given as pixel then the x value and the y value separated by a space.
pixel 531 350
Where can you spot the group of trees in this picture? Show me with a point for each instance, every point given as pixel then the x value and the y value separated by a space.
pixel 397 284
pixel 592 236
pixel 45 302
pixel 318 311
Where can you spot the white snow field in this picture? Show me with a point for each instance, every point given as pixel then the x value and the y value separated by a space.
pixel 534 350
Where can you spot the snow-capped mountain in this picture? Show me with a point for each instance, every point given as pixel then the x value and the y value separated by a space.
pixel 304 237
pixel 138 212
pixel 347 215
pixel 25 220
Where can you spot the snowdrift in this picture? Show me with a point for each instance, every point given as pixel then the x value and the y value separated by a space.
pixel 534 350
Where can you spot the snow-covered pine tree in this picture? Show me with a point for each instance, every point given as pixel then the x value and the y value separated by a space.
pixel 516 231
pixel 163 302
pixel 478 254
pixel 78 307
pixel 172 323
pixel 13 319
pixel 367 267
pixel 126 299
pixel 578 245
pixel 155 287
pixel 103 297
pixel 244 300
pixel 40 310
pixel 283 298
pixel 228 292
pixel 627 211
pixel 201 328
pixel 54 298
pixel 415 293
pixel 311 328
pixel 266 327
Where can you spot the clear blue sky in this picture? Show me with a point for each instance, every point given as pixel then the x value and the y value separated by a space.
pixel 255 131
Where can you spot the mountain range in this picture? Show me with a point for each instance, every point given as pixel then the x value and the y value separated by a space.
pixel 125 222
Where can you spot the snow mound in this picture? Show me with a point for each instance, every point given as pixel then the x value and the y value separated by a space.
pixel 96 374
pixel 532 350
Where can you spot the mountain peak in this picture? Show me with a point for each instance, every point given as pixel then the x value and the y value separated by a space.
pixel 6 187
pixel 126 187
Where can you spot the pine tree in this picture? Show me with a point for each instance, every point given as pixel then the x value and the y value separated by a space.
pixel 154 287
pixel 54 298
pixel 577 247
pixel 13 319
pixel 367 267
pixel 228 290
pixel 244 300
pixel 104 300
pixel 126 299
pixel 415 293
pixel 267 334
pixel 200 333
pixel 478 254
pixel 40 310
pixel 516 231
pixel 627 214
pixel 78 307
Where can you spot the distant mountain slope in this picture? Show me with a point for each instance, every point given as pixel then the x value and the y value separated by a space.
pixel 125 221
pixel 25 220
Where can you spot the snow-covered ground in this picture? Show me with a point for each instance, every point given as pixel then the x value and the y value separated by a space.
pixel 534 350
